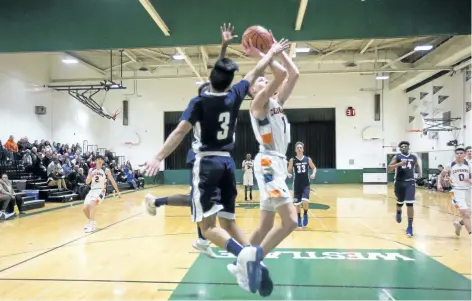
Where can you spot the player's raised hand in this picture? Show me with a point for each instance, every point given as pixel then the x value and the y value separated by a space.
pixel 152 167
pixel 227 33
pixel 280 46
pixel 250 50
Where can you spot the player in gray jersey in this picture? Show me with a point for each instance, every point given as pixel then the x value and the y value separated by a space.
pixel 459 172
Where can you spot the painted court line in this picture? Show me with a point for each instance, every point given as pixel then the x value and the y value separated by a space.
pixel 235 284
pixel 390 297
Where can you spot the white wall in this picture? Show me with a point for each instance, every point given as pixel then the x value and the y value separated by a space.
pixel 22 80
pixel 156 96
pixel 456 88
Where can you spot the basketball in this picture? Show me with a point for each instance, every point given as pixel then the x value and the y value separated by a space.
pixel 260 37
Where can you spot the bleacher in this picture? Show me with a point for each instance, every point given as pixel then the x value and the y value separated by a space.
pixel 34 191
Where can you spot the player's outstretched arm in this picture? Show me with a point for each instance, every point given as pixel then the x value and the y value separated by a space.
pixel 227 34
pixel 441 176
pixel 174 139
pixel 112 181
pixel 276 49
pixel 292 79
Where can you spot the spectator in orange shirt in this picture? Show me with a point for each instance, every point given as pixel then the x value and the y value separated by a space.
pixel 11 145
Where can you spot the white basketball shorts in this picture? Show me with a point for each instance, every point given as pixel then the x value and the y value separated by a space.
pixel 271 172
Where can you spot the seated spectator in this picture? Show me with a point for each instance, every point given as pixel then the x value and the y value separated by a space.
pixel 67 167
pixel 11 145
pixel 27 159
pixel 139 178
pixel 130 178
pixel 5 199
pixel 7 187
pixel 47 147
pixel 432 182
pixel 56 175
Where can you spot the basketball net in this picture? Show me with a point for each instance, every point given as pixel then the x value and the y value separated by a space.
pixel 117 112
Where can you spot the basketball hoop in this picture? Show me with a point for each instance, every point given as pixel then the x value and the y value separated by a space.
pixel 117 112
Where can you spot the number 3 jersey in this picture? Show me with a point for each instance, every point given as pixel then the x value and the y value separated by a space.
pixel 407 171
pixel 272 132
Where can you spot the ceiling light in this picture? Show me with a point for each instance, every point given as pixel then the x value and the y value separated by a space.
pixel 423 47
pixel 382 77
pixel 302 50
pixel 70 61
pixel 178 57
pixel 200 83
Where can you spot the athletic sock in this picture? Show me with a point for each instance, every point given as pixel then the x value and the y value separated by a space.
pixel 200 235
pixel 305 211
pixel 233 247
pixel 410 222
pixel 160 201
pixel 299 215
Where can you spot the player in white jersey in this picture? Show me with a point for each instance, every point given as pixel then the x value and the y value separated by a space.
pixel 460 176
pixel 272 131
pixel 468 154
pixel 97 178
pixel 248 179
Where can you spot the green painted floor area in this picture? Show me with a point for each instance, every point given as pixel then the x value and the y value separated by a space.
pixel 330 274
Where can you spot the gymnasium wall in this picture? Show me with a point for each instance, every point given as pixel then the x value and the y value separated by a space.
pixel 448 93
pixel 22 77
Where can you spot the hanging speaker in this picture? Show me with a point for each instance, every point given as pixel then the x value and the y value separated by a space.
pixel 125 112
pixel 377 107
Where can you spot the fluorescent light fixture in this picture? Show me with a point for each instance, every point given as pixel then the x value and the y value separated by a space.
pixel 423 47
pixel 115 86
pixel 302 50
pixel 294 55
pixel 70 61
pixel 382 77
pixel 199 83
pixel 178 57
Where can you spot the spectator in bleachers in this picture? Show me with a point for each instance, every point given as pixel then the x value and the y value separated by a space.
pixel 6 197
pixel 7 187
pixel 130 177
pixel 73 178
pixel 11 145
pixel 67 166
pixel 27 159
pixel 56 175
pixel 47 147
pixel 35 144
pixel 139 178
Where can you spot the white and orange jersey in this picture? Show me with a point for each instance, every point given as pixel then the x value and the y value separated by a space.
pixel 99 180
pixel 272 132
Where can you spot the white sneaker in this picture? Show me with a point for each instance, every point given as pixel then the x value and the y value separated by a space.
pixel 203 246
pixel 2 215
pixel 9 215
pixel 249 273
pixel 458 228
pixel 149 204
pixel 91 228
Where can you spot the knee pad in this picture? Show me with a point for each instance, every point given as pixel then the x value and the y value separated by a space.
pixel 409 204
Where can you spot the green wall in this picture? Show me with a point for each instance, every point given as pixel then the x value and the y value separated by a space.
pixel 323 176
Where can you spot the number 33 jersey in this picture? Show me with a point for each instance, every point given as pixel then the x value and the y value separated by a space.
pixel 272 132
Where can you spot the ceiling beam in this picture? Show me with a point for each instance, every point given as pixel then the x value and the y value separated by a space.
pixel 152 55
pixel 236 52
pixel 87 64
pixel 450 52
pixel 118 65
pixel 292 52
pixel 367 46
pixel 204 58
pixel 392 63
pixel 301 14
pixel 157 53
pixel 130 55
pixel 189 62
pixel 155 16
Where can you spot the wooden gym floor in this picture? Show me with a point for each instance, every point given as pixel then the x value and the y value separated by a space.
pixel 351 249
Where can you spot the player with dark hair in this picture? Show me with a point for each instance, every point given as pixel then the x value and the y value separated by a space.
pixel 461 181
pixel 405 165
pixel 301 182
pixel 184 200
pixel 213 117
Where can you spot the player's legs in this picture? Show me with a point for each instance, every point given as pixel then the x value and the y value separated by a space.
pixel 305 203
pixel 410 190
pixel 461 200
pixel 297 201
pixel 400 194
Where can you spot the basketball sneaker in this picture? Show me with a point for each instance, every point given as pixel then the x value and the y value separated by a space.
pixel 203 246
pixel 398 217
pixel 300 221
pixel 409 231
pixel 305 219
pixel 458 228
pixel 249 268
pixel 267 286
pixel 149 204
pixel 91 227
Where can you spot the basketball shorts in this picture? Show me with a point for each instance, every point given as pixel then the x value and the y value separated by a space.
pixel 461 198
pixel 301 195
pixel 213 186
pixel 248 179
pixel 271 172
pixel 94 195
pixel 405 192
